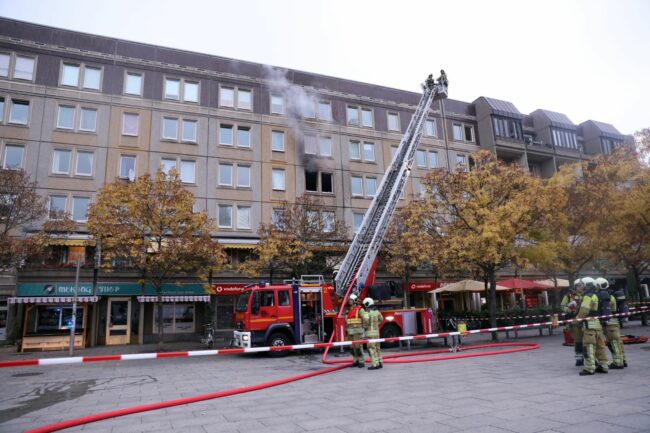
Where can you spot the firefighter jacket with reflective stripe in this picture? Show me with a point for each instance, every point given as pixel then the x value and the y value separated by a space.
pixel 614 310
pixel 589 307
pixel 354 319
pixel 371 321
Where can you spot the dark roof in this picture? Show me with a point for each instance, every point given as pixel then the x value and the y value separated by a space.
pixel 503 108
pixel 558 119
pixel 607 130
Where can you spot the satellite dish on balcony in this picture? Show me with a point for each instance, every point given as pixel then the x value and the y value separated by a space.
pixel 131 175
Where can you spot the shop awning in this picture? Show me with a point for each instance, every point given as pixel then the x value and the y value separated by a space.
pixel 52 299
pixel 70 242
pixel 178 298
pixel 239 246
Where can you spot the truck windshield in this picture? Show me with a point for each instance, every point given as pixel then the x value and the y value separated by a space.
pixel 242 301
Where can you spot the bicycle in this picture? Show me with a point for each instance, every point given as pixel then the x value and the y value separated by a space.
pixel 208 336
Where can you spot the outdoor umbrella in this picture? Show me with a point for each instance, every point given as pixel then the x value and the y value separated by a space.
pixel 560 283
pixel 518 283
pixel 465 286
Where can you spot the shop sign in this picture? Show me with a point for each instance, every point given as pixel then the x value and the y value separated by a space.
pixel 105 289
pixel 227 289
pixel 423 286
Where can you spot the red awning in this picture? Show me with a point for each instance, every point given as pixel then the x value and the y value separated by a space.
pixel 228 289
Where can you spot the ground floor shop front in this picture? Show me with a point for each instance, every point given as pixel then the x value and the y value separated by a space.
pixel 120 313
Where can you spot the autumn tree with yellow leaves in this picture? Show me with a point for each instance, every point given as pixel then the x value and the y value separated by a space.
pixel 485 216
pixel 305 237
pixel 151 223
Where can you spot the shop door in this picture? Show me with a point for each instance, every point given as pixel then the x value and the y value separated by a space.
pixel 118 325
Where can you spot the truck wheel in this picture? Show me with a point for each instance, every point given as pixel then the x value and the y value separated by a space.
pixel 278 339
pixel 390 331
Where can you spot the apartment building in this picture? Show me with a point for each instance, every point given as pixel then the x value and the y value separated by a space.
pixel 78 111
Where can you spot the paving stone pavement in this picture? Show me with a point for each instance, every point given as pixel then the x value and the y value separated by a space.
pixel 526 392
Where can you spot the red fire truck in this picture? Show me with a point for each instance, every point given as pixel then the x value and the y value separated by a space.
pixel 306 311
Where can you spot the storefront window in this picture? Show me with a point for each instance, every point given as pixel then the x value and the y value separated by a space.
pixel 53 320
pixel 177 318
pixel 225 308
pixel 3 318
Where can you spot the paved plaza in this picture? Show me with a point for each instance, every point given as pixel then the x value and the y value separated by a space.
pixel 533 391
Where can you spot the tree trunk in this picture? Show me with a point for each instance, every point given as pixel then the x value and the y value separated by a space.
pixel 642 298
pixel 492 302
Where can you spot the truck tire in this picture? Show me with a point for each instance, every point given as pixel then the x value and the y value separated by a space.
pixel 278 339
pixel 389 331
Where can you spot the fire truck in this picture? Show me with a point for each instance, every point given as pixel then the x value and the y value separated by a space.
pixel 305 311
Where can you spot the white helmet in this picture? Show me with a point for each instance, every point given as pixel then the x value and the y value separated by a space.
pixel 354 298
pixel 368 302
pixel 578 281
pixel 589 282
pixel 602 283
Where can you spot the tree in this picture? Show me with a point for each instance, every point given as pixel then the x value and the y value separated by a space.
pixel 484 217
pixel 21 207
pixel 303 239
pixel 151 223
pixel 625 231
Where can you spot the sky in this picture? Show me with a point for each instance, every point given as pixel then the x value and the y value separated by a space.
pixel 587 59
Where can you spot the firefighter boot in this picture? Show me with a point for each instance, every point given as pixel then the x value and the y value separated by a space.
pixel 585 373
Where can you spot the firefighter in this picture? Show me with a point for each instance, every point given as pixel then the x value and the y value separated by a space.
pixel 613 330
pixel 372 318
pixel 429 82
pixel 593 342
pixel 355 330
pixel 442 79
pixel 570 303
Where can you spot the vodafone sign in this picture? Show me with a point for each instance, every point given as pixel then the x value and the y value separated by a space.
pixel 227 289
pixel 422 286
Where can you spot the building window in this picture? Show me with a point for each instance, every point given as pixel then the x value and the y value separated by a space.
pixel 326 183
pixel 371 186
pixel 81 75
pixel 2 109
pixel 421 158
pixel 66 117
pixel 22 67
pixel 61 161
pixel 325 146
pixel 507 128
pixel 310 144
pixel 170 128
pixel 367 117
pixel 328 218
pixel 227 97
pixel 84 164
pixel 309 110
pixel 243 176
pixel 225 216
pixel 358 220
pixel 368 151
pixel 188 171
pixel 167 165
pixel 393 122
pixel 133 84
pixel 58 206
pixel 13 157
pixel 357 186
pixel 311 181
pixel 243 136
pixel 244 100
pixel 88 121
pixel 177 318
pixel 130 124
pixel 225 135
pixel 325 111
pixel 355 150
pixel 225 174
pixel 190 90
pixel 565 138
pixel 127 166
pixel 277 141
pixel 277 104
pixel 461 162
pixel 19 112
pixel 433 159
pixel 277 218
pixel 244 217
pixel 355 112
pixel 278 179
pixel 80 208
pixel 430 128
pixel 189 130
pixel 353 115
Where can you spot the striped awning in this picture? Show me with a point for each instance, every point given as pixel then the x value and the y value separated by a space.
pixel 52 299
pixel 70 242
pixel 179 298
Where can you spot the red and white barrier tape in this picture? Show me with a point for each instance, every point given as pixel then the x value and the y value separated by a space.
pixel 517 317
pixel 159 355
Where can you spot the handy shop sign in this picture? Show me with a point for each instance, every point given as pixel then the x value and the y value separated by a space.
pixel 105 289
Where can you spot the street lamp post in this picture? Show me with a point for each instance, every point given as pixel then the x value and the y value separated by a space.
pixel 73 326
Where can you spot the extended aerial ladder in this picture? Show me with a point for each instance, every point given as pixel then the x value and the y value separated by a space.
pixel 360 258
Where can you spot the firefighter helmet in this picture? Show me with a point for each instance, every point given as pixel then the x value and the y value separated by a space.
pixel 354 298
pixel 602 283
pixel 578 281
pixel 368 302
pixel 589 283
